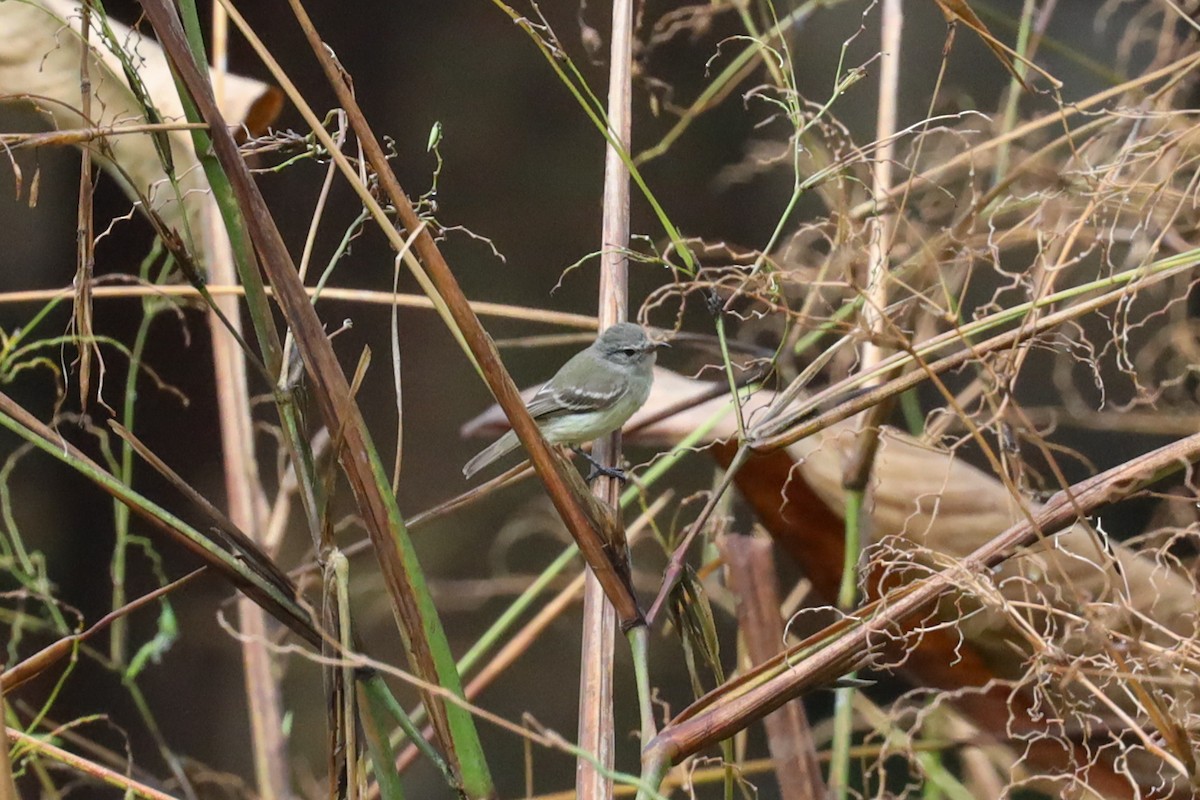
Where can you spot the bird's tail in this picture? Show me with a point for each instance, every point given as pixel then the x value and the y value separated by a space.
pixel 490 453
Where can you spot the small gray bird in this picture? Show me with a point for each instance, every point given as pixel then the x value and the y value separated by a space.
pixel 591 396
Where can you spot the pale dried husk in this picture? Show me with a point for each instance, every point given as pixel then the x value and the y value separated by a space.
pixel 41 49
pixel 940 506
pixel 1072 617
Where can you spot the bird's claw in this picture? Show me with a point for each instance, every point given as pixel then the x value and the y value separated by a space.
pixel 616 473
pixel 597 469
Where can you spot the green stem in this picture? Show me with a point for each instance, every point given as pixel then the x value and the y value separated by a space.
pixel 119 630
pixel 231 213
pixel 1009 117
pixel 914 417
pixel 639 647
pixel 848 590
pixel 843 701
pixel 729 376
pixel 843 731
pixel 373 703
pixel 377 688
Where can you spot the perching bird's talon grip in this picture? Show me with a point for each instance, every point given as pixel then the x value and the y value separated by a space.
pixel 597 469
pixel 616 473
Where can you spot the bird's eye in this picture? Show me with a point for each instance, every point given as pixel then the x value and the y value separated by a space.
pixel 630 351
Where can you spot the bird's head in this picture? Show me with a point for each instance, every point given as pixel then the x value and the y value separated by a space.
pixel 627 343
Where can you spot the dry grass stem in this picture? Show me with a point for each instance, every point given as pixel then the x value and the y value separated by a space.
pixel 930 275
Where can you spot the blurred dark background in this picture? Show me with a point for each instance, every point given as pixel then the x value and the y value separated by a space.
pixel 523 167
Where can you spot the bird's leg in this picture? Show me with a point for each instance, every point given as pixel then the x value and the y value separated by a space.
pixel 598 469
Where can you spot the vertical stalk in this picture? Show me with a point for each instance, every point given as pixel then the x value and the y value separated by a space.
pixel 349 687
pixel 81 316
pixel 1009 117
pixel 593 780
pixel 843 698
pixel 245 499
pixel 858 467
pixel 750 576
pixel 639 645
pixel 879 226
pixel 85 234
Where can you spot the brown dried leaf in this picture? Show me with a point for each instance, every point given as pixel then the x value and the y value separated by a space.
pixel 1075 603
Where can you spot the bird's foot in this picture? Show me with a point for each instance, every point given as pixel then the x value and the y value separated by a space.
pixel 597 469
pixel 616 473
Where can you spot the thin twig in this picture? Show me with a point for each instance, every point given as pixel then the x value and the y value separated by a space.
pixel 366 296
pixel 90 768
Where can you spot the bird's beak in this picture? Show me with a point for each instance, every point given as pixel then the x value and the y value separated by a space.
pixel 660 345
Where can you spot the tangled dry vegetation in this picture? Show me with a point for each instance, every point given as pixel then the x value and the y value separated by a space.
pixel 964 351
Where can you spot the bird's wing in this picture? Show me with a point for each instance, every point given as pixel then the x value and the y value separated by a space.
pixel 596 391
